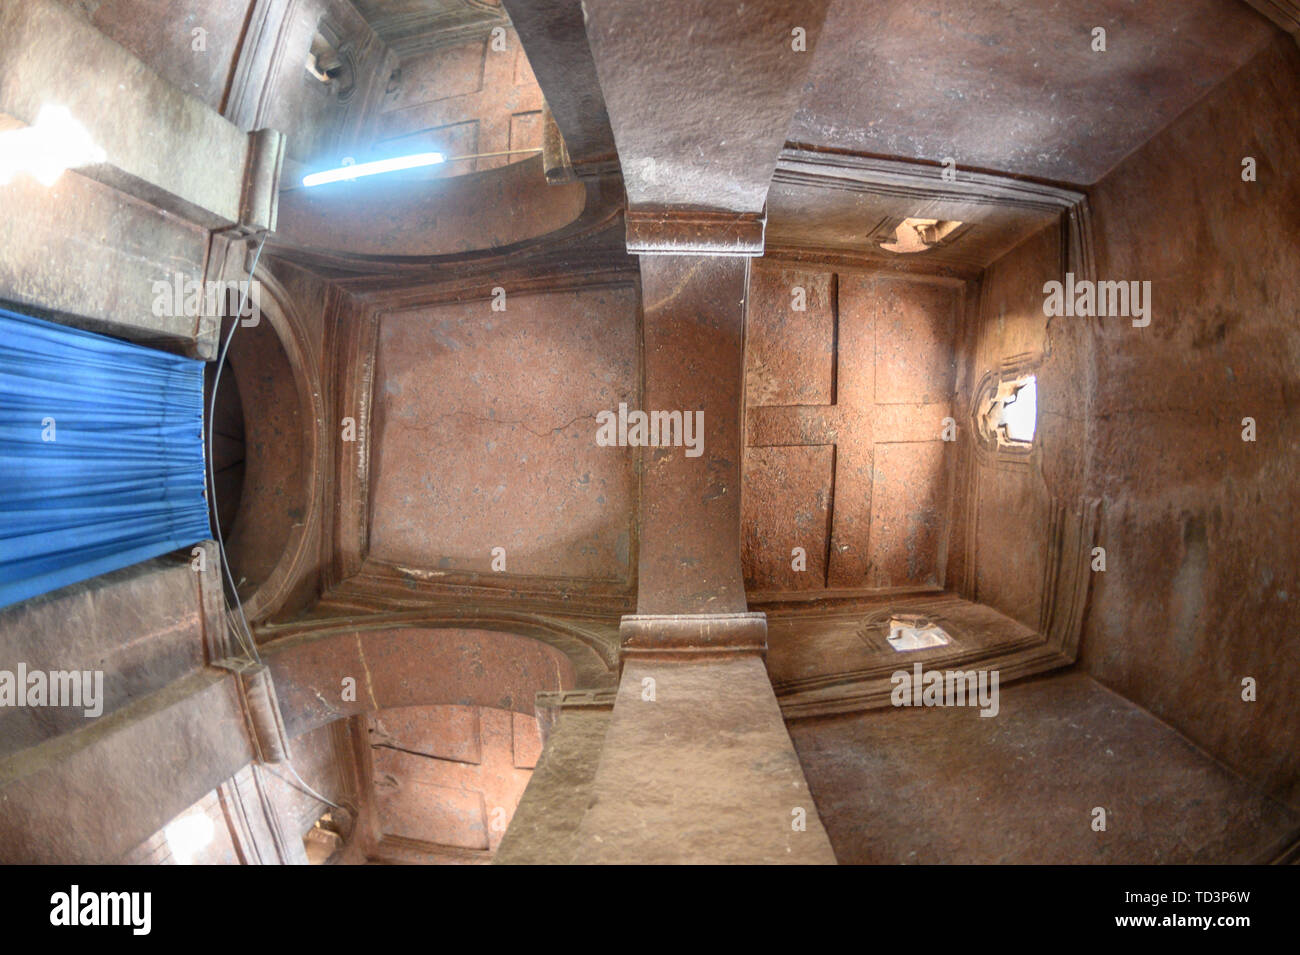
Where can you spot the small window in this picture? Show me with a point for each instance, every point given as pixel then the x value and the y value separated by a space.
pixel 1020 412
pixel 915 633
pixel 1011 414
pixel 323 841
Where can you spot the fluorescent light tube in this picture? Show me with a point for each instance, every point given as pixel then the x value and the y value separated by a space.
pixel 372 168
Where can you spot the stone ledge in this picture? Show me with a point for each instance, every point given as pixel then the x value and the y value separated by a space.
pixel 692 635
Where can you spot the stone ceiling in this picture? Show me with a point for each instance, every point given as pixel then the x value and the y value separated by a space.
pixel 1015 87
pixel 410 26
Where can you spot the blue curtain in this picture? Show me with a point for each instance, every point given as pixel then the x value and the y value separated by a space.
pixel 101 455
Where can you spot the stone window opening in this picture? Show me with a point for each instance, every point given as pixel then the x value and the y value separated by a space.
pixel 323 841
pixel 912 632
pixel 1011 414
pixel 916 234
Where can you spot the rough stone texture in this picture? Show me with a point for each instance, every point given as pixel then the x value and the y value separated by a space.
pixel 463 100
pixel 126 109
pixel 889 387
pixel 272 88
pixel 546 821
pixel 1203 573
pixel 409 667
pixel 276 455
pixel 1201 563
pixel 143 627
pixel 809 216
pixel 160 33
pixel 787 506
pixel 689 560
pixel 139 767
pixel 945 785
pixel 553 34
pixel 1007 511
pixel 700 95
pixel 88 255
pixel 811 647
pixel 704 773
pixel 451 776
pixel 472 452
pixel 1016 86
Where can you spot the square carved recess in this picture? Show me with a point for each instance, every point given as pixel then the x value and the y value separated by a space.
pixel 438 476
pixel 836 659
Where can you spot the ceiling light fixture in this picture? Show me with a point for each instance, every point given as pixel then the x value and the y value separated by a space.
pixel 356 171
pixel 349 170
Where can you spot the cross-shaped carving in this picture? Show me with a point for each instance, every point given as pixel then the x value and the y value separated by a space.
pixel 891 381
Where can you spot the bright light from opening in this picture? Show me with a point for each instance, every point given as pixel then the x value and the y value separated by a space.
pixel 45 150
pixel 188 836
pixel 1020 412
pixel 372 168
pixel 906 634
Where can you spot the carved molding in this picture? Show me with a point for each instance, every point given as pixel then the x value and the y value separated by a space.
pixel 255 826
pixel 1284 13
pixel 1022 652
pixel 590 640
pixel 352 572
pixel 678 232
pixel 802 166
pixel 687 637
pixel 297 557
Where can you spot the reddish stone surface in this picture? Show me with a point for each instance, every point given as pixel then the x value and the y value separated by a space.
pixel 703 772
pixel 1203 571
pixel 992 85
pixel 787 506
pixel 894 373
pixel 450 775
pixel 409 667
pixel 471 452
pixel 462 100
pixel 140 767
pixel 790 353
pixel 700 95
pixel 945 785
pixel 689 559
pixel 854 221
pixel 555 38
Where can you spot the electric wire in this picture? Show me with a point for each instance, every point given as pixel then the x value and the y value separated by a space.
pixel 249 645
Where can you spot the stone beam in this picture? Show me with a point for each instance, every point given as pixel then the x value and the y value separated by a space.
pixel 698 768
pixel 700 97
pixel 690 505
pixel 553 36
pixel 162 146
pixel 92 795
pixel 697 765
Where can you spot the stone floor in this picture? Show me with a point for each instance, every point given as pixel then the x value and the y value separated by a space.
pixel 944 785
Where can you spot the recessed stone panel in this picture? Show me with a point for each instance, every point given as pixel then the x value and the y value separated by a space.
pixel 786 505
pixel 789 354
pixel 484 436
pixel 908 512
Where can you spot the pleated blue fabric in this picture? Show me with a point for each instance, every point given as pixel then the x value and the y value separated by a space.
pixel 101 455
